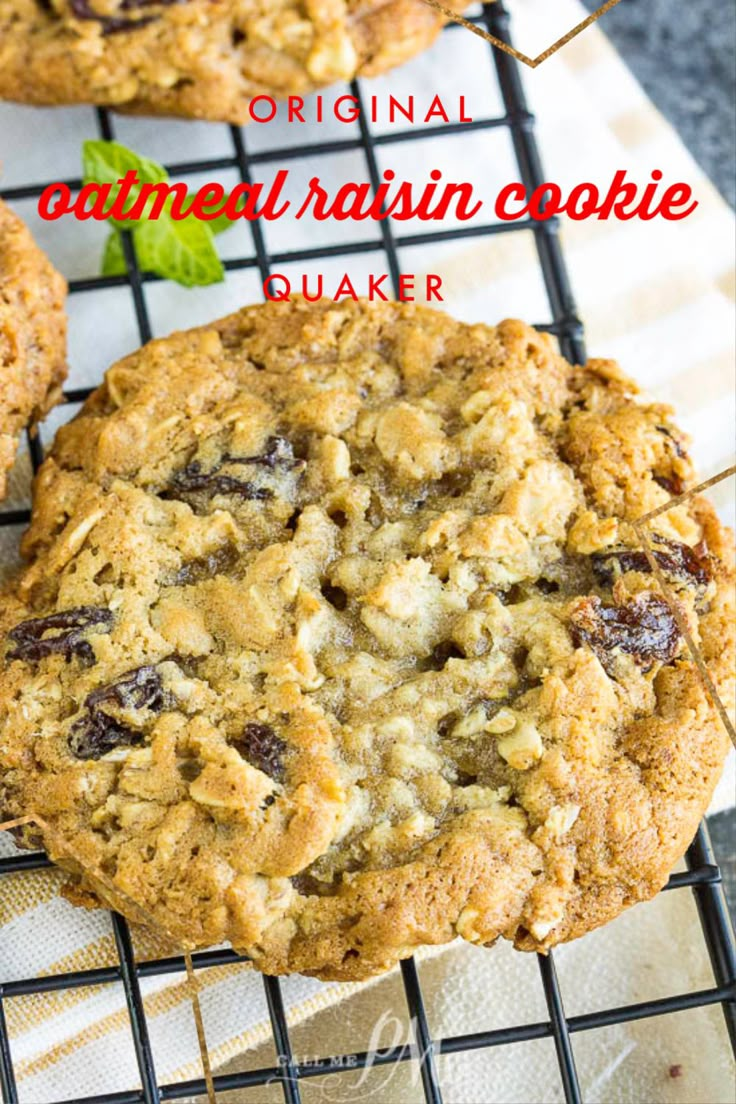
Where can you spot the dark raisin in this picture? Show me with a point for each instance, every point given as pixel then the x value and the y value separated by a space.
pixel 109 24
pixel 263 749
pixel 205 567
pixel 335 595
pixel 644 628
pixel 96 734
pixel 670 483
pixel 138 689
pixel 134 5
pixel 192 479
pixel 679 563
pixel 28 836
pixel 112 24
pixel 679 450
pixel 67 630
pixel 278 453
pixel 237 36
pixel 440 654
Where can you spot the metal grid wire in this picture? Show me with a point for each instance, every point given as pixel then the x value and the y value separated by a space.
pixel 702 874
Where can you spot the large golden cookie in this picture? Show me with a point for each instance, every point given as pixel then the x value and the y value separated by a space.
pixel 335 639
pixel 205 59
pixel 32 335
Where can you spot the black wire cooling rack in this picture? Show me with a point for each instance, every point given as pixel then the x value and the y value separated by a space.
pixel 702 875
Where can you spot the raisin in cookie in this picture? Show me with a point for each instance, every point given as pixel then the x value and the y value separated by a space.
pixel 32 335
pixel 196 58
pixel 336 639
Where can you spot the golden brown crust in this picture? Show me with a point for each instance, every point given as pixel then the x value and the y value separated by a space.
pixel 32 335
pixel 353 646
pixel 200 58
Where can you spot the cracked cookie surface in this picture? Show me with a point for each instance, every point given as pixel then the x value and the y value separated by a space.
pixel 198 58
pixel 336 639
pixel 32 335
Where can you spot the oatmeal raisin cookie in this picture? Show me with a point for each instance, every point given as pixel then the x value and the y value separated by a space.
pixel 204 59
pixel 32 335
pixel 336 639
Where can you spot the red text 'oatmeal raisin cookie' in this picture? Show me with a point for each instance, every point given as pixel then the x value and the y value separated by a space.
pixel 336 639
pixel 32 335
pixel 197 58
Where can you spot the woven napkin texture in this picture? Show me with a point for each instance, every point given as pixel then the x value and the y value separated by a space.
pixel 659 297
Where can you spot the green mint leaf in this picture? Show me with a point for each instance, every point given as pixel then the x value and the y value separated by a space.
pixel 183 251
pixel 224 222
pixel 113 258
pixel 107 162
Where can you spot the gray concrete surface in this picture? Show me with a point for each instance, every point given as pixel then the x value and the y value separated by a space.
pixel 684 55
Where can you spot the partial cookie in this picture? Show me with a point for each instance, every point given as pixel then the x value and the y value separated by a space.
pixel 199 59
pixel 335 639
pixel 32 335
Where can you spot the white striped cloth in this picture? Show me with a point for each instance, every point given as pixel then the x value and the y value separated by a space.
pixel 656 295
